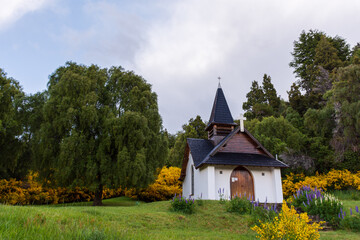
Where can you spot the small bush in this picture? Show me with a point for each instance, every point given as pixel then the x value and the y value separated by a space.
pixel 351 223
pixel 317 203
pixel 263 214
pixel 289 225
pixel 239 205
pixel 181 204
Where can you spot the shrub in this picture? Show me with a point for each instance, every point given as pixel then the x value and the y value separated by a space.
pixel 165 186
pixel 351 222
pixel 181 204
pixel 289 225
pixel 317 203
pixel 239 205
pixel 262 213
pixel 31 191
pixel 333 180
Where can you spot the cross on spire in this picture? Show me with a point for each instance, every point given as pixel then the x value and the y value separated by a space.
pixel 242 118
pixel 219 86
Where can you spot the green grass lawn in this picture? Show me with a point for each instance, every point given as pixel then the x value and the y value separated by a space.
pixel 122 218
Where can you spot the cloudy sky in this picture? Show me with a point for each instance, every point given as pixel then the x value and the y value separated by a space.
pixel 179 46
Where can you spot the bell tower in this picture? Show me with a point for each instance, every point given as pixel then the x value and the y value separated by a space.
pixel 221 123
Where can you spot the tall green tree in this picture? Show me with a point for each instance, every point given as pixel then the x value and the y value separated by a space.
pixel 346 100
pixel 262 101
pixel 306 58
pixel 10 126
pixel 31 117
pixel 270 93
pixel 101 128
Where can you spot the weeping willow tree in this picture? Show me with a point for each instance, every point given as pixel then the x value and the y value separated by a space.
pixel 101 128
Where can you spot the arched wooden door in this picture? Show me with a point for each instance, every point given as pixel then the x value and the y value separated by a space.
pixel 241 183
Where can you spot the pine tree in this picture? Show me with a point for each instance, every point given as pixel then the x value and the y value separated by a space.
pixel 270 93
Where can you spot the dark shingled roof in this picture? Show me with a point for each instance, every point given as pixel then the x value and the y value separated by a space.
pixel 220 111
pixel 199 149
pixel 244 159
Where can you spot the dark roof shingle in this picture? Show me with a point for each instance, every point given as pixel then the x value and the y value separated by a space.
pixel 220 112
pixel 199 149
pixel 244 159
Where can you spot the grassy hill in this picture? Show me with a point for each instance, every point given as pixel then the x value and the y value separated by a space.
pixel 122 218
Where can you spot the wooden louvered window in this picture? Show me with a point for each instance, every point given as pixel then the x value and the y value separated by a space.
pixel 192 180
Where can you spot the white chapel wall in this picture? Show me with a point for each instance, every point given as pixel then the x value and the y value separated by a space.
pixel 201 176
pixel 266 187
pixel 186 185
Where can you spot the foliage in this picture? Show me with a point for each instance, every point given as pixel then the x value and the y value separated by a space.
pixel 347 101
pixel 263 214
pixel 277 135
pixel 239 205
pixel 351 223
pixel 307 55
pixel 289 225
pixel 262 100
pixel 333 180
pixel 317 203
pixel 194 129
pixel 165 186
pixel 10 127
pixel 181 204
pixel 30 191
pixel 101 128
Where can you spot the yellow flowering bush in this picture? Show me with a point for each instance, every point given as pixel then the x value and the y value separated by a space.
pixel 165 186
pixel 335 179
pixel 30 191
pixel 289 225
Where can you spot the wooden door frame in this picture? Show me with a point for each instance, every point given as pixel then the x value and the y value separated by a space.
pixel 252 178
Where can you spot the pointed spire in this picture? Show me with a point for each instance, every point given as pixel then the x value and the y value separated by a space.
pixel 219 86
pixel 220 113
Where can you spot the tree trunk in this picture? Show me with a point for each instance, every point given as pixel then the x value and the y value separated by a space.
pixel 98 196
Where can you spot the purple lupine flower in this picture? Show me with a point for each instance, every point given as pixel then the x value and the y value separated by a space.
pixel 344 214
pixel 350 211
pixel 339 215
pixel 223 190
pixel 357 209
pixel 341 211
pixel 304 204
pixel 186 201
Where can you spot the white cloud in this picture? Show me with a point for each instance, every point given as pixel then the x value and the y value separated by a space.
pixel 111 36
pixel 181 47
pixel 238 40
pixel 13 10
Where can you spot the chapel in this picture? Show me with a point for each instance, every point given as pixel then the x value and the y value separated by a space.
pixel 231 162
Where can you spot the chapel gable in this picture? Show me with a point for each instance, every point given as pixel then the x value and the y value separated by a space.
pixel 242 143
